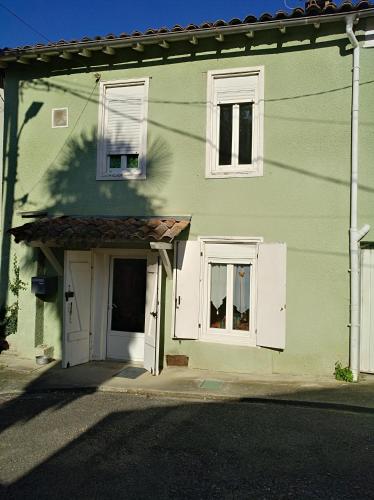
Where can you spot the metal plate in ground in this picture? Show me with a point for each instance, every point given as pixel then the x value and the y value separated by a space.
pixel 211 385
pixel 131 372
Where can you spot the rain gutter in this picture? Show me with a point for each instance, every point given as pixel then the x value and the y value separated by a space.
pixel 355 234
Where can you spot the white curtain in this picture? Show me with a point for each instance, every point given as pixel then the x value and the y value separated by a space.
pixel 241 287
pixel 218 284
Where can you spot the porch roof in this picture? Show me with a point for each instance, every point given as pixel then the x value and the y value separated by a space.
pixel 68 231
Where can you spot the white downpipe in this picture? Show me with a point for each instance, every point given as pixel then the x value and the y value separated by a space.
pixel 355 235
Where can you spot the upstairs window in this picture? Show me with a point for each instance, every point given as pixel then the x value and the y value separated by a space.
pixel 235 123
pixel 122 130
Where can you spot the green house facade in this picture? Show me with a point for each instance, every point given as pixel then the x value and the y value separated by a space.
pixel 187 192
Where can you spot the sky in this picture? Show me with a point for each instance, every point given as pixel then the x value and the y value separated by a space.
pixel 71 19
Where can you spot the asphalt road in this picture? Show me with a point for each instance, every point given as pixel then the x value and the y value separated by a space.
pixel 101 445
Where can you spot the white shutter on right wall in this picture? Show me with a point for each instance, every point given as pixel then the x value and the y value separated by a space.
pixel 187 289
pixel 271 295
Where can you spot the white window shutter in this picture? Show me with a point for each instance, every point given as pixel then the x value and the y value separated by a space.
pixel 271 295
pixel 124 119
pixel 187 289
pixel 231 89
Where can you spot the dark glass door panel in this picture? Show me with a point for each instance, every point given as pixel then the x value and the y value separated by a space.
pixel 128 299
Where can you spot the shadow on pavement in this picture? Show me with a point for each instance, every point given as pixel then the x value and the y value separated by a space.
pixel 140 448
pixel 89 376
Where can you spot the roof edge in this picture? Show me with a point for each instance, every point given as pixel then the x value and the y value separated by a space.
pixel 10 55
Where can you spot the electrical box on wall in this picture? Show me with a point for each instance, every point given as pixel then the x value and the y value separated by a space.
pixel 44 285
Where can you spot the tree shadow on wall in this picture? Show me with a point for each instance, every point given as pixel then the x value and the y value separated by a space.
pixel 71 188
pixel 68 186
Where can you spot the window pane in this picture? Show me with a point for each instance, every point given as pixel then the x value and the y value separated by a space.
pixel 241 297
pixel 132 161
pixel 225 134
pixel 245 133
pixel 218 287
pixel 114 161
pixel 129 290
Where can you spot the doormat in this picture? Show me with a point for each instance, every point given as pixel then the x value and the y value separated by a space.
pixel 131 372
pixel 212 385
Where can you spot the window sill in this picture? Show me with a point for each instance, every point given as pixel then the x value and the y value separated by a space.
pixel 233 174
pixel 121 178
pixel 247 341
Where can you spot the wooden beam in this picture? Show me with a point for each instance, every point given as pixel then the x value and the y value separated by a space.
pixel 23 60
pixel 109 50
pixel 43 58
pixel 159 245
pixel 163 252
pixel 66 55
pixel 193 40
pixel 48 252
pixel 164 44
pixel 85 53
pixel 166 263
pixel 138 47
pixel 220 38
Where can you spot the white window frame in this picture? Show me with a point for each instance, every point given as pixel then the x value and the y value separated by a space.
pixel 369 34
pixel 228 336
pixel 67 117
pixel 103 171
pixel 255 169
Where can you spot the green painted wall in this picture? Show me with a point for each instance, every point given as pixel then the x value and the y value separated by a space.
pixel 302 199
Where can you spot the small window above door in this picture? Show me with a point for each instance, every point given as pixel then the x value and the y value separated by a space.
pixel 122 135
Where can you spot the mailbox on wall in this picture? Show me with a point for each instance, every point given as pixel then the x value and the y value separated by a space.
pixel 44 285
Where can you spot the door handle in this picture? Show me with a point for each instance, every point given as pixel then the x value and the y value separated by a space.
pixel 69 295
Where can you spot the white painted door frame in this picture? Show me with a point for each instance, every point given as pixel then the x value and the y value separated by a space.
pixel 101 258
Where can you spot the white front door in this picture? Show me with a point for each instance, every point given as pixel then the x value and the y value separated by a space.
pixel 77 305
pixel 133 309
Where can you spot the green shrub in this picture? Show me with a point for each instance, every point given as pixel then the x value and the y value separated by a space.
pixel 341 373
pixel 11 312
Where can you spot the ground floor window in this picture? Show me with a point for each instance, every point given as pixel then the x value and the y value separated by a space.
pixel 229 283
pixel 230 296
pixel 230 291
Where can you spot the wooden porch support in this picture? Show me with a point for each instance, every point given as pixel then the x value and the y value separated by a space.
pixel 48 252
pixel 163 251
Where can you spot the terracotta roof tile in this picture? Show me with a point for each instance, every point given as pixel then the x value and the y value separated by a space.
pixel 312 8
pixel 69 231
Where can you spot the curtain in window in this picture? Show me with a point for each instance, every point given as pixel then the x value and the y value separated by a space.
pixel 218 291
pixel 241 297
pixel 218 284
